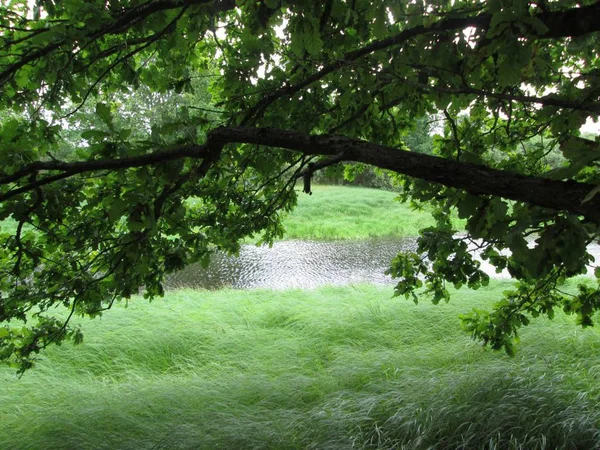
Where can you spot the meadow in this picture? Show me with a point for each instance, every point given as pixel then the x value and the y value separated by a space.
pixel 331 368
pixel 344 212
pixel 334 368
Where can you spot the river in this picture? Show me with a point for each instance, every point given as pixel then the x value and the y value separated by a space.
pixel 305 265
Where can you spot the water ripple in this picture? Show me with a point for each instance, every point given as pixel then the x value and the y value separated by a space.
pixel 297 264
pixel 306 265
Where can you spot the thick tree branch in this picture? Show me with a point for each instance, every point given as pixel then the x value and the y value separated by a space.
pixel 573 22
pixel 582 103
pixel 475 179
pixel 548 100
pixel 190 151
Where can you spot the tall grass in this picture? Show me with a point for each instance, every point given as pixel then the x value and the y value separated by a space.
pixel 344 212
pixel 334 368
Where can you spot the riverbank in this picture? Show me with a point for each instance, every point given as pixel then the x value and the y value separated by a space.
pixel 342 212
pixel 328 368
pixel 348 212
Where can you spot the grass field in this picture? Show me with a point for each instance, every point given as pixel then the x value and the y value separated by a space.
pixel 335 368
pixel 344 212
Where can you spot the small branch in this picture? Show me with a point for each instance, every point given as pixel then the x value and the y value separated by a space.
pixel 325 16
pixel 454 133
pixel 322 164
pixel 20 248
pixel 216 111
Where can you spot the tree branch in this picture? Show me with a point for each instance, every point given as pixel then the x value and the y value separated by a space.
pixel 188 151
pixel 473 178
pixel 454 133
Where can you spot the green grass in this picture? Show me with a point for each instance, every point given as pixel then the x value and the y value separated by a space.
pixel 343 212
pixel 9 226
pixel 334 368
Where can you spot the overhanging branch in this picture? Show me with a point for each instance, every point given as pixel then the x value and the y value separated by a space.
pixel 209 152
pixel 188 151
pixel 473 178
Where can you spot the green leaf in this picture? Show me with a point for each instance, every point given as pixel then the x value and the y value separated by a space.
pixel 103 112
pixel 499 23
pixel 581 151
pixel 468 205
pixel 116 210
pixel 540 27
pixel 313 42
pixel 22 78
pixel 494 6
pixel 509 348
pixel 509 71
pixel 94 135
pixel 380 24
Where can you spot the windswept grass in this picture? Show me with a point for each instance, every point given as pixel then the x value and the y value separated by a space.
pixel 334 368
pixel 344 212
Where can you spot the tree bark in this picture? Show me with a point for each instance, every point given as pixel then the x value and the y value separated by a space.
pixel 473 178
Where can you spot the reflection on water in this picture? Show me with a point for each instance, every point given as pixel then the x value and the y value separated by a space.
pixel 296 264
pixel 307 264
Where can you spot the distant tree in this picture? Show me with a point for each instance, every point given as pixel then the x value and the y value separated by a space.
pixel 420 139
pixel 295 86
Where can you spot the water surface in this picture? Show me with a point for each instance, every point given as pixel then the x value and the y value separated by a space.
pixel 297 264
pixel 307 265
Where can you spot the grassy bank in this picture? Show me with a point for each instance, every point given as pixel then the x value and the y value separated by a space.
pixel 344 212
pixel 332 368
pixel 341 212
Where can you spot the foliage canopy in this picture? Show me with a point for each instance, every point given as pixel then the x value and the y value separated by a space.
pixel 115 113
